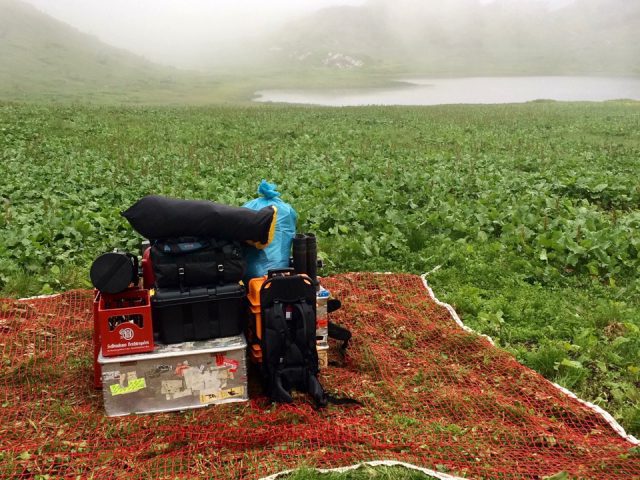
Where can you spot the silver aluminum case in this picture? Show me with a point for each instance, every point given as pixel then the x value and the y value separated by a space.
pixel 176 377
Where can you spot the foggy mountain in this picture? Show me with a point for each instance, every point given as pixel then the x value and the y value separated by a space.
pixel 466 37
pixel 42 56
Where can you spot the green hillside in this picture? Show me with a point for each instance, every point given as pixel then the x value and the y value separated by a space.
pixel 40 53
pixel 45 59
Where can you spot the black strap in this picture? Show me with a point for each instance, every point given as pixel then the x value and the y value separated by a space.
pixel 289 352
pixel 278 391
pixel 279 322
pixel 341 400
pixel 273 364
pixel 333 304
pixel 306 312
pixel 336 331
pixel 340 333
pixel 314 388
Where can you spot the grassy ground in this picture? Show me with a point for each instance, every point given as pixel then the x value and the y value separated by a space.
pixel 530 211
pixel 364 472
pixel 378 473
pixel 189 88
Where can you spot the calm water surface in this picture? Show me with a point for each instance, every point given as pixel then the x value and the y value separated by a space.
pixel 440 91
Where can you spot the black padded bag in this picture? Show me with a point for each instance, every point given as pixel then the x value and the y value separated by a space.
pixel 113 272
pixel 156 217
pixel 187 262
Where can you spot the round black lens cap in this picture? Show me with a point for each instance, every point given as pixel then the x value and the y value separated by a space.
pixel 112 272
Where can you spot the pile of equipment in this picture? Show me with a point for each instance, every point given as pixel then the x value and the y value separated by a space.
pixel 172 331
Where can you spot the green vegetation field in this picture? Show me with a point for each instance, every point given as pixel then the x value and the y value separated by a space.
pixel 362 473
pixel 530 211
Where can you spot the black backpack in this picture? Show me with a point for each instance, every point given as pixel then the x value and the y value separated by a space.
pixel 290 358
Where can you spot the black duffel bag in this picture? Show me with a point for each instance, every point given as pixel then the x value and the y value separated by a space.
pixel 190 262
pixel 155 217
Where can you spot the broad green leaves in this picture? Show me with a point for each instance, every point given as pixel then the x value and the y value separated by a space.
pixel 536 228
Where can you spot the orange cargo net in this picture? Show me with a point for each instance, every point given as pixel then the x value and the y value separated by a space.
pixel 433 395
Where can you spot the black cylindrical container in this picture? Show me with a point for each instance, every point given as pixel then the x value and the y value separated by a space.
pixel 113 272
pixel 300 253
pixel 312 257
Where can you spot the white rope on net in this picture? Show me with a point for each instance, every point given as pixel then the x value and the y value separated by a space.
pixel 600 411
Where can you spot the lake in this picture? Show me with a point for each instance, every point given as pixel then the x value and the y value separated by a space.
pixel 472 90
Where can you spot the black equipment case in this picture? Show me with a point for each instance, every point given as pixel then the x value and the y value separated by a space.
pixel 198 313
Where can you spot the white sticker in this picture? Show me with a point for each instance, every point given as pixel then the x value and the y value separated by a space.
pixel 110 376
pixel 169 387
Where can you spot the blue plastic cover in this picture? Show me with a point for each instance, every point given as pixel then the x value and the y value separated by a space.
pixel 276 254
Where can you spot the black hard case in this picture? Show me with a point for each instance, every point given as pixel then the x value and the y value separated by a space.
pixel 198 313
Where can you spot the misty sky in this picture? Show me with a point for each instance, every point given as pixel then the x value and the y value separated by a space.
pixel 177 32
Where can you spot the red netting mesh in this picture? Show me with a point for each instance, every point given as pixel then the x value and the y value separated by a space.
pixel 432 395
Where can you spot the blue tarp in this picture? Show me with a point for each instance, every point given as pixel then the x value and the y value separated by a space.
pixel 276 254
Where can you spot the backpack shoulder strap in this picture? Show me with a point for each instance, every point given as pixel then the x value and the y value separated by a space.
pixel 305 335
pixel 275 344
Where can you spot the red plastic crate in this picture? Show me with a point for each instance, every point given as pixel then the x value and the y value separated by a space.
pixel 97 371
pixel 123 322
pixel 148 277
